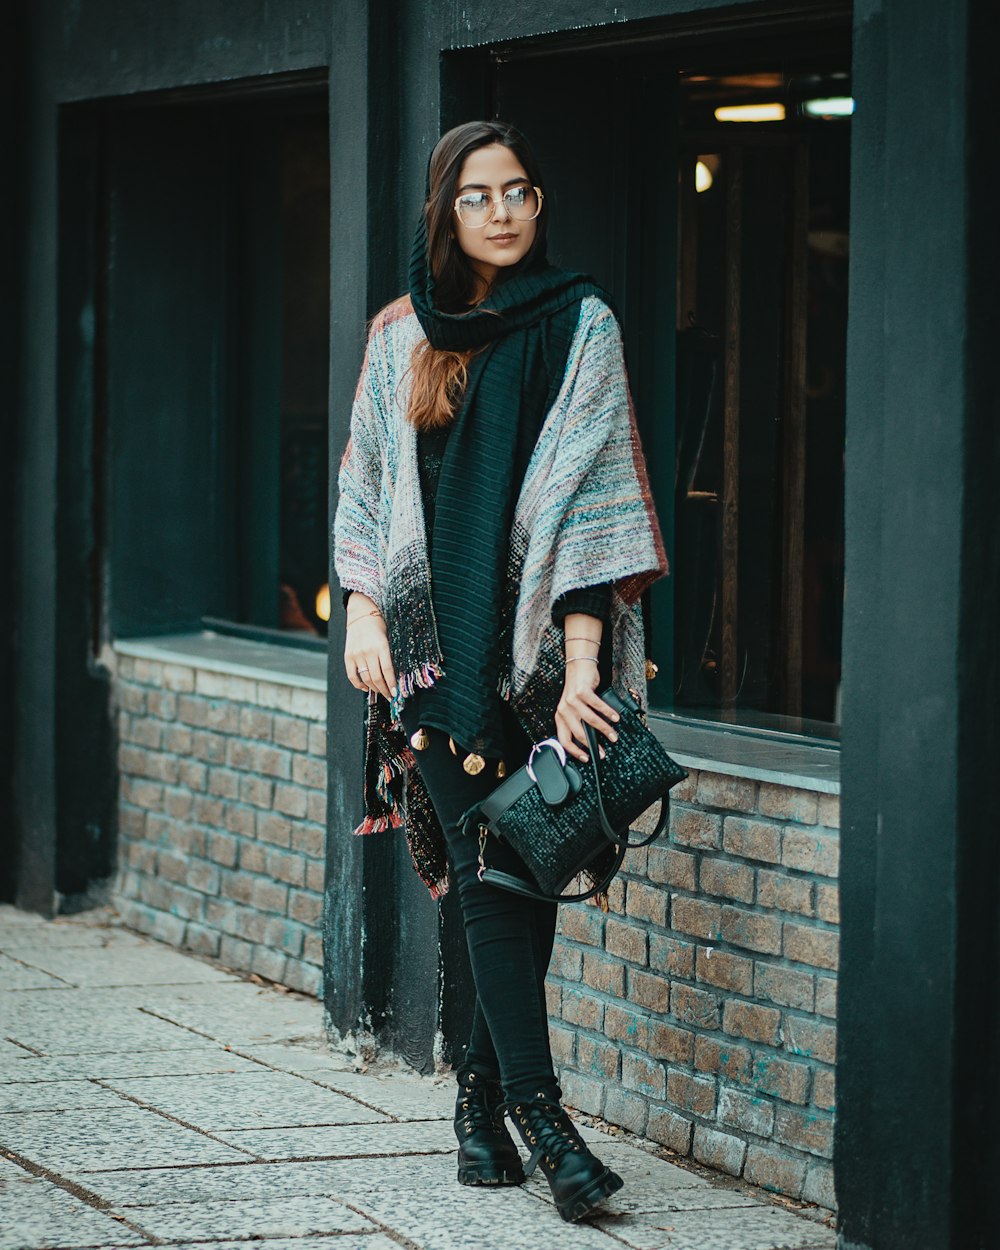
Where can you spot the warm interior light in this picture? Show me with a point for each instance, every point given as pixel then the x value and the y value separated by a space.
pixel 702 177
pixel 835 106
pixel 750 113
pixel 323 602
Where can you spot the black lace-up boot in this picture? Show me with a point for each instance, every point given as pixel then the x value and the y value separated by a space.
pixel 486 1152
pixel 578 1179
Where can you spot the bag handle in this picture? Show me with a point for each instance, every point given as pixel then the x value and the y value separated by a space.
pixel 517 885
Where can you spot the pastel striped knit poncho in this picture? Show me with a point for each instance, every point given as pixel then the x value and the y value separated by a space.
pixel 584 515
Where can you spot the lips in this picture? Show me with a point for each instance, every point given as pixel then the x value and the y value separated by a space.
pixel 502 238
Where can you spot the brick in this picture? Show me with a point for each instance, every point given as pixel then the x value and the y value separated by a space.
pixel 671 955
pixel 162 703
pixel 124 667
pixel 210 747
pixel 724 970
pixel 131 821
pixel 224 686
pixel 786 803
pixel 178 739
pixel 256 723
pixel 828 903
pixel 695 916
pixel 566 962
pixel 811 1038
pixel 222 716
pixel 829 811
pixel 203 877
pixel 623 1107
pixel 209 811
pixel 289 799
pixel 621 1024
pixel 597 1057
pixel 601 972
pixel 148 672
pixel 752 1021
pixel 718 876
pixel 553 999
pixel 312 948
pixel 808 850
pixel 237 887
pixel 585 1093
pixel 285 867
pixel 685 789
pixel 582 924
pixel 310 704
pixel 317 741
pixel 616 896
pixel 808 945
pixel 670 1130
pixel 274 829
pixel 824 1091
pixel 826 996
pixel 253 857
pixel 224 783
pixel 719 1150
pixel 781 892
pixel 670 1043
pixel 241 754
pixel 734 793
pixel 133 698
pixel 178 677
pixel 146 731
pixel 270 896
pixel 241 820
pixel 698 1007
pixel 193 775
pixel 291 732
pixel 819 1186
pixel 811 1131
pixel 723 1058
pixel 752 839
pixel 305 906
pixel 785 986
pixel 268 963
pixel 646 989
pixel 316 809
pixel 626 941
pixel 583 1009
pixel 283 935
pixel 178 804
pixel 172 867
pixel 644 1075
pixel 221 849
pixel 745 1112
pixel 772 1170
pixel 669 867
pixel 202 940
pixel 690 826
pixel 235 953
pixel 316 876
pixel 780 1078
pixel 751 930
pixel 647 902
pixel 304 978
pixel 691 1093
pixel 256 790
pixel 310 839
pixel 563 1043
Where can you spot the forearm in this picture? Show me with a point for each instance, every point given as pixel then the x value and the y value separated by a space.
pixel 582 635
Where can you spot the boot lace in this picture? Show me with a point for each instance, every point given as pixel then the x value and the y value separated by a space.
pixel 546 1127
pixel 479 1109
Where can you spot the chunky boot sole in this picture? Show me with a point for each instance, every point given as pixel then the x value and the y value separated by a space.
pixel 590 1196
pixel 489 1174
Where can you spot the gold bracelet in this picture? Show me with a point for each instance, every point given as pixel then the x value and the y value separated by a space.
pixel 579 638
pixel 571 658
pixel 351 621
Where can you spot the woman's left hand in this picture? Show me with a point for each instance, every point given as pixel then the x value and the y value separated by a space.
pixel 580 703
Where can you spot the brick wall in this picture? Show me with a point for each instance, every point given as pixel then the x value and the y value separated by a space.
pixel 699 1011
pixel 222 816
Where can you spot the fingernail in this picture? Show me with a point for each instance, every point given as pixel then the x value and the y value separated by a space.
pixel 617 716
pixel 394 692
pixel 613 736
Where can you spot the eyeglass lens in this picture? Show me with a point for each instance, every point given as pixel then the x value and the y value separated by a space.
pixel 476 207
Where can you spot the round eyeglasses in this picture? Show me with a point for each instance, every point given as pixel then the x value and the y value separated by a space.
pixel 477 208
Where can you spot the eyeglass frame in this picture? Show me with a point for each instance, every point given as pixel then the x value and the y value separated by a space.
pixel 499 200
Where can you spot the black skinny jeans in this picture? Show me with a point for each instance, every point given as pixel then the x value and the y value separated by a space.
pixel 510 938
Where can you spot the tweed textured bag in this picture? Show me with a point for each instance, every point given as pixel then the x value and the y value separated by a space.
pixel 563 818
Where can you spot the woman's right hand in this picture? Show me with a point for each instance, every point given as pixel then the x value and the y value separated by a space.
pixel 366 653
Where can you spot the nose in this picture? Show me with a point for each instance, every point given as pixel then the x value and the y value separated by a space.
pixel 500 210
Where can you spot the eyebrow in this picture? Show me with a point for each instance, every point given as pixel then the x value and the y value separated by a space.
pixel 481 186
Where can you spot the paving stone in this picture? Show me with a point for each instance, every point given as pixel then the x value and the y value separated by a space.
pixel 336 1242
pixel 76 1142
pixel 303 1215
pixel 305 1056
pixel 136 1187
pixel 38 1214
pixel 246 1100
pixel 721 1228
pixel 396 1094
pixel 73 1026
pixel 241 1014
pixel 407 1137
pixel 20 974
pixel 142 963
pixel 54 1096
pixel 200 1055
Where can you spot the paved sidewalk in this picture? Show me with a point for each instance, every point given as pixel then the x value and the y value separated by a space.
pixel 151 1098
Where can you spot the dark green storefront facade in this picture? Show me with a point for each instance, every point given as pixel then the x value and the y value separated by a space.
pixel 131 125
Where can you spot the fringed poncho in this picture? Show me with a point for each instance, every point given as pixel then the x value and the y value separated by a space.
pixel 584 515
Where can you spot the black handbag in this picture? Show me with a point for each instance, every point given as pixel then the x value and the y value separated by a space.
pixel 562 817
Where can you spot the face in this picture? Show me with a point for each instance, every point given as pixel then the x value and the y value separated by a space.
pixel 503 241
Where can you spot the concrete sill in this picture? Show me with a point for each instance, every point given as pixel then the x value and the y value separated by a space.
pixel 734 751
pixel 238 657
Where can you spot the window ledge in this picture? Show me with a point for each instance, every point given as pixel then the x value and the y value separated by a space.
pixel 781 760
pixel 238 657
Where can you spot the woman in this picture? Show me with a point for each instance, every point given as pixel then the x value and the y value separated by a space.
pixel 492 440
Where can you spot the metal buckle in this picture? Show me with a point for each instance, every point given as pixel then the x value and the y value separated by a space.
pixel 556 746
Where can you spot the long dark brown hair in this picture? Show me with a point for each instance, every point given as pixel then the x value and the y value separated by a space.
pixel 439 377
